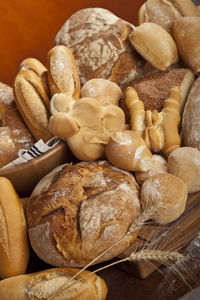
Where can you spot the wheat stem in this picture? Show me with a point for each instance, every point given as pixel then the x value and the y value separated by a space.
pixel 135 226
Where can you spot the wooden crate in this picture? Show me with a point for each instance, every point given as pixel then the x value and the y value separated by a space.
pixel 175 235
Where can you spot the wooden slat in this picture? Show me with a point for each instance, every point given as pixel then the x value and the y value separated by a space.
pixel 174 236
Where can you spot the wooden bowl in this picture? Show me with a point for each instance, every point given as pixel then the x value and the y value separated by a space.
pixel 24 177
pixel 28 30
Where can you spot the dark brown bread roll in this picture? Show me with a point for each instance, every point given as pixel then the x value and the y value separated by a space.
pixel 99 42
pixel 78 211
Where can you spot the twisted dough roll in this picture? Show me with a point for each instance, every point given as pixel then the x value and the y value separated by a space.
pixel 159 130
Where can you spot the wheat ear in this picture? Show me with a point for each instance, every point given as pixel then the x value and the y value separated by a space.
pixel 166 257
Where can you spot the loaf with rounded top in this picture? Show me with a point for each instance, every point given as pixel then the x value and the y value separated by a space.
pixel 105 91
pixel 14 135
pixel 99 42
pixel 190 121
pixel 155 45
pixel 167 191
pixel 159 166
pixel 186 31
pixel 127 150
pixel 184 163
pixel 14 246
pixel 43 284
pixel 160 12
pixel 78 211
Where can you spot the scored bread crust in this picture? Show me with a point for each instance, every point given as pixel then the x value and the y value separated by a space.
pixel 83 210
pixel 99 42
pixel 43 284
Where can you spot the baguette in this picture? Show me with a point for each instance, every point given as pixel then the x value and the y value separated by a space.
pixel 43 284
pixel 14 247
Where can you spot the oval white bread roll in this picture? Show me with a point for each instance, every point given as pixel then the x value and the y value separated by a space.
pixel 105 91
pixel 184 162
pixel 159 166
pixel 42 285
pixel 169 192
pixel 155 45
pixel 127 150
pixel 14 247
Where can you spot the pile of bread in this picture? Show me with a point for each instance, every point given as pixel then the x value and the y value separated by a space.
pixel 126 101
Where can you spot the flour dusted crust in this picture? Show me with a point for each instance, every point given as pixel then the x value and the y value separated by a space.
pixel 184 163
pixel 99 42
pixel 190 122
pixel 161 12
pixel 167 190
pixel 13 133
pixel 41 285
pixel 186 31
pixel 85 209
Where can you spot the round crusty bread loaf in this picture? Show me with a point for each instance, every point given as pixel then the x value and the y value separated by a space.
pixel 78 211
pixel 44 284
pixel 184 163
pixel 168 191
pixel 13 133
pixel 99 42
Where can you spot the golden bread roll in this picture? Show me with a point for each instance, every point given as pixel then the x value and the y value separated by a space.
pixel 127 150
pixel 43 284
pixel 36 66
pixel 99 42
pixel 158 129
pixel 160 12
pixel 155 45
pixel 160 166
pixel 105 91
pixel 186 7
pixel 167 190
pixel 14 135
pixel 164 13
pixel 63 74
pixel 14 246
pixel 32 103
pixel 184 163
pixel 186 32
pixel 86 124
pixel 78 211
pixel 190 122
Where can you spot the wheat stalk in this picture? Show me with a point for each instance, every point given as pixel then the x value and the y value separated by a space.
pixel 165 257
pixel 134 227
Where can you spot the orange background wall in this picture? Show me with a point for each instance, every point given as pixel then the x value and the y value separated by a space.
pixel 28 27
